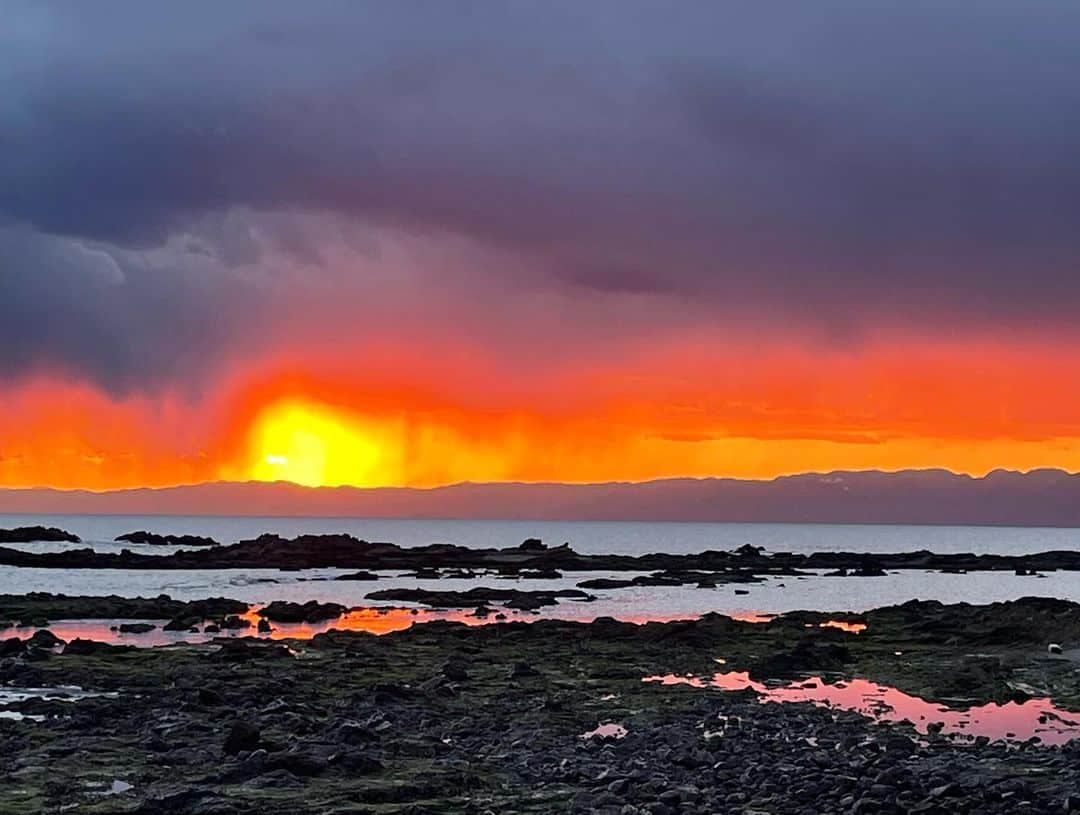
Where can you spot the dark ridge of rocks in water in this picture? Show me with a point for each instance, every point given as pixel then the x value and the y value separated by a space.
pixel 44 638
pixel 671 578
pixel 81 647
pixel 345 551
pixel 475 598
pixel 153 539
pixel 361 575
pixel 44 606
pixel 450 719
pixel 31 534
pixel 135 628
pixel 281 611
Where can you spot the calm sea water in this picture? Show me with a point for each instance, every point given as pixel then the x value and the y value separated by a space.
pixel 775 595
pixel 620 537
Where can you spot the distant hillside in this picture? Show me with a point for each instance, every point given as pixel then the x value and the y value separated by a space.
pixel 1037 498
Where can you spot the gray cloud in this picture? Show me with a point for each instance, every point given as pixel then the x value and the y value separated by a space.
pixel 835 163
pixel 121 319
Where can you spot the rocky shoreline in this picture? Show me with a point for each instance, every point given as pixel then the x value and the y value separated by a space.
pixel 532 558
pixel 444 718
pixel 29 534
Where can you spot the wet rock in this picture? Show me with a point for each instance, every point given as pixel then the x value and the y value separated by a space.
pixel 275 779
pixel 455 670
pixel 361 575
pixel 355 762
pixel 511 598
pixel 185 622
pixel 430 573
pixel 243 736
pixel 30 534
pixel 152 539
pixel 281 611
pixel 523 670
pixel 210 697
pixel 297 763
pixel 249 650
pixel 135 628
pixel 43 638
pixel 81 647
pixel 44 606
pixel 808 656
pixel 673 577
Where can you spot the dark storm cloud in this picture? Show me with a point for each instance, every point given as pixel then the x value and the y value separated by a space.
pixel 110 317
pixel 899 159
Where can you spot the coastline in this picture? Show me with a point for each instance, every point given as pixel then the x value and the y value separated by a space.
pixel 446 718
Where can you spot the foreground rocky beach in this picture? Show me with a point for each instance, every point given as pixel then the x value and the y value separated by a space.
pixel 547 716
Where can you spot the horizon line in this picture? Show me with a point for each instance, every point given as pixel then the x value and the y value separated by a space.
pixel 615 482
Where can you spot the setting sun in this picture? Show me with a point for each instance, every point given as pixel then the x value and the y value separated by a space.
pixel 316 445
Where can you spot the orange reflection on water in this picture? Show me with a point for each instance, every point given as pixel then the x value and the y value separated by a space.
pixel 851 628
pixel 1011 721
pixel 752 616
pixel 371 620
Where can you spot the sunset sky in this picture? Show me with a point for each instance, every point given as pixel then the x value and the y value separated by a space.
pixel 417 244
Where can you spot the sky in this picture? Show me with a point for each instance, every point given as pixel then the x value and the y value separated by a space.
pixel 417 243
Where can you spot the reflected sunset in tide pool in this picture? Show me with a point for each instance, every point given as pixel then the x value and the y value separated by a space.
pixel 1011 721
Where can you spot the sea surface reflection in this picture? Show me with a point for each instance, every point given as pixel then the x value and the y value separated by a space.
pixel 1011 721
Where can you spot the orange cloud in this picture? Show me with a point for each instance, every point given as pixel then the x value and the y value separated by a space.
pixel 388 417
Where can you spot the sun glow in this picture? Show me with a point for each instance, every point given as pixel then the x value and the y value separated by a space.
pixel 316 446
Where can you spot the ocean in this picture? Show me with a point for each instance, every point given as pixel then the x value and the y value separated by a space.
pixel 596 537
pixel 773 596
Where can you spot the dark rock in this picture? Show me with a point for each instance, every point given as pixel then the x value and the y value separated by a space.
pixel 281 611
pixel 455 670
pixel 345 551
pixel 184 622
pixel 43 638
pixel 522 670
pixel 81 647
pixel 152 539
pixel 242 736
pixel 511 598
pixel 210 697
pixel 136 628
pixel 249 650
pixel 356 762
pixel 808 656
pixel 30 534
pixel 297 763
